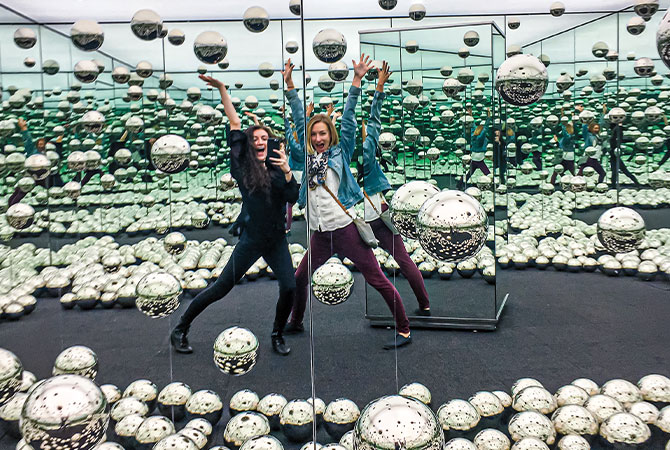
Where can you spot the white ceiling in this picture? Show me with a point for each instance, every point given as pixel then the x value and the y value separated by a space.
pixel 122 10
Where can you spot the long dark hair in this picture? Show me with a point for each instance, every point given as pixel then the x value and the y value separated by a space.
pixel 256 178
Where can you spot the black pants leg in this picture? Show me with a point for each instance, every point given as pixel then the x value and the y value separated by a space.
pixel 246 253
pixel 279 259
pixel 537 160
pixel 665 157
pixel 624 169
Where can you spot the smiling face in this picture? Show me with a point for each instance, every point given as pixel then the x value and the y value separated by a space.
pixel 320 137
pixel 596 129
pixel 260 143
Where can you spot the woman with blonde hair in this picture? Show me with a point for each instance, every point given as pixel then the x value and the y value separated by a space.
pixel 329 191
pixel 478 144
pixel 566 142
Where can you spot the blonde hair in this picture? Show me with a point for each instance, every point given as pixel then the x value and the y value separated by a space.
pixel 478 130
pixel 510 131
pixel 569 128
pixel 320 118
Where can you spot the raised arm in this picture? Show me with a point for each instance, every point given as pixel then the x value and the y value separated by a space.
pixel 228 108
pixel 254 117
pixel 28 143
pixel 374 125
pixel 348 127
pixel 297 109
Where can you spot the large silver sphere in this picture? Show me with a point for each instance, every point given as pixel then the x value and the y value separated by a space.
pixel 158 294
pixel 534 398
pixel 210 47
pixel 393 421
pixel 522 80
pixel 329 45
pixel 146 24
pixel 491 439
pixel 37 166
pixel 271 406
pixel 20 216
pixel 603 406
pixel 663 39
pixel 87 35
pixel 622 391
pixel 332 283
pixel 620 229
pixel 655 388
pixel 86 71
pixel 532 424
pixel 625 429
pixel 452 226
pixel 296 420
pixel 93 122
pixel 338 71
pixel 171 153
pixel 417 12
pixel 152 430
pixel 245 426
pixel 458 415
pixel 77 360
pixel 66 411
pixel 236 351
pixel 204 404
pixel 406 203
pixel 11 372
pixel 256 19
pixel 340 417
pixel 25 38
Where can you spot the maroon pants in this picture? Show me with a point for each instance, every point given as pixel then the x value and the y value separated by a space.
pixel 592 162
pixel 393 244
pixel 289 216
pixel 474 165
pixel 568 165
pixel 347 243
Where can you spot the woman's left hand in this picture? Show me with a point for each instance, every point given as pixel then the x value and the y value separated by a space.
pixel 280 160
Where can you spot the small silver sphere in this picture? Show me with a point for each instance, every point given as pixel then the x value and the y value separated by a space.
pixel 620 229
pixel 296 420
pixel 271 406
pixel 171 153
pixel 66 411
pixel 158 294
pixel 458 415
pixel 262 443
pixel 152 430
pixel 236 351
pixel 522 80
pixel 245 426
pixel 210 47
pixel 176 37
pixel 175 442
pixel 20 216
pixel 172 400
pixel 329 45
pixel 603 406
pixel 417 12
pixel 340 417
pixel 532 424
pixel 77 360
pixel 120 75
pixel 655 388
pixel 625 429
pixel 256 19
pixel 622 391
pixel 86 71
pixel 417 391
pixel 204 404
pixel 332 283
pixel 491 439
pixel 25 38
pixel 534 398
pixel 146 24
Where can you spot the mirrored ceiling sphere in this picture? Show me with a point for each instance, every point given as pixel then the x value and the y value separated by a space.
pixel 210 47
pixel 256 19
pixel 176 36
pixel 522 80
pixel 146 24
pixel 87 35
pixel 25 38
pixel 86 71
pixel 329 45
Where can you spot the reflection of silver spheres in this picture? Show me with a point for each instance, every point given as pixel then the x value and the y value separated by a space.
pixel 11 372
pixel 210 47
pixel 452 226
pixel 620 229
pixel 407 202
pixel 329 45
pixel 171 153
pixel 236 351
pixel 158 294
pixel 86 71
pixel 25 38
pixel 663 39
pixel 522 80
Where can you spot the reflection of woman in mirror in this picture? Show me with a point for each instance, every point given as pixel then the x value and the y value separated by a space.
pixel 478 143
pixel 329 190
pixel 510 138
pixel 32 148
pixel 266 184
pixel 591 133
pixel 666 156
pixel 499 152
pixel 566 142
pixel 616 163
pixel 375 184
pixel 536 142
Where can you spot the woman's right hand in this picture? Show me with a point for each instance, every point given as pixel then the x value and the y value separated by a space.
pixel 23 125
pixel 288 73
pixel 212 81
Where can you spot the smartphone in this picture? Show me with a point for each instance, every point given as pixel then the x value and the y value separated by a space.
pixel 273 146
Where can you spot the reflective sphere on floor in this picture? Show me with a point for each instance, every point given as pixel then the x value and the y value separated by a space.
pixel 66 411
pixel 655 388
pixel 388 421
pixel 625 429
pixel 340 417
pixel 262 443
pixel 245 426
pixel 332 283
pixel 621 229
pixel 491 439
pixel 236 351
pixel 271 406
pixel 417 391
pixel 329 45
pixel 296 420
pixel 175 442
pixel 452 226
pixel 152 430
pixel 459 444
pixel 458 415
pixel 532 424
pixel 204 404
pixel 244 400
pixel 77 360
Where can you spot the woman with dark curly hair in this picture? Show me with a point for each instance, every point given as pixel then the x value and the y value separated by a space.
pixel 266 184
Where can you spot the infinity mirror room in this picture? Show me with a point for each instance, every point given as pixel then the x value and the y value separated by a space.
pixel 334 225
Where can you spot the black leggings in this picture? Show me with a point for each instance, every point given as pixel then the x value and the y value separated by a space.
pixel 593 162
pixel 617 163
pixel 246 253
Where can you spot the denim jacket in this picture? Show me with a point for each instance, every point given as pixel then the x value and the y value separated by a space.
pixel 28 143
pixel 339 156
pixel 374 179
pixel 478 143
pixel 566 140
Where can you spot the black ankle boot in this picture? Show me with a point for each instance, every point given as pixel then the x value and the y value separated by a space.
pixel 278 344
pixel 294 328
pixel 179 340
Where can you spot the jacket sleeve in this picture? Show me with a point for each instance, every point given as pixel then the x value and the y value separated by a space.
pixel 236 140
pixel 28 143
pixel 298 112
pixel 348 127
pixel 373 130
pixel 291 191
pixel 296 157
